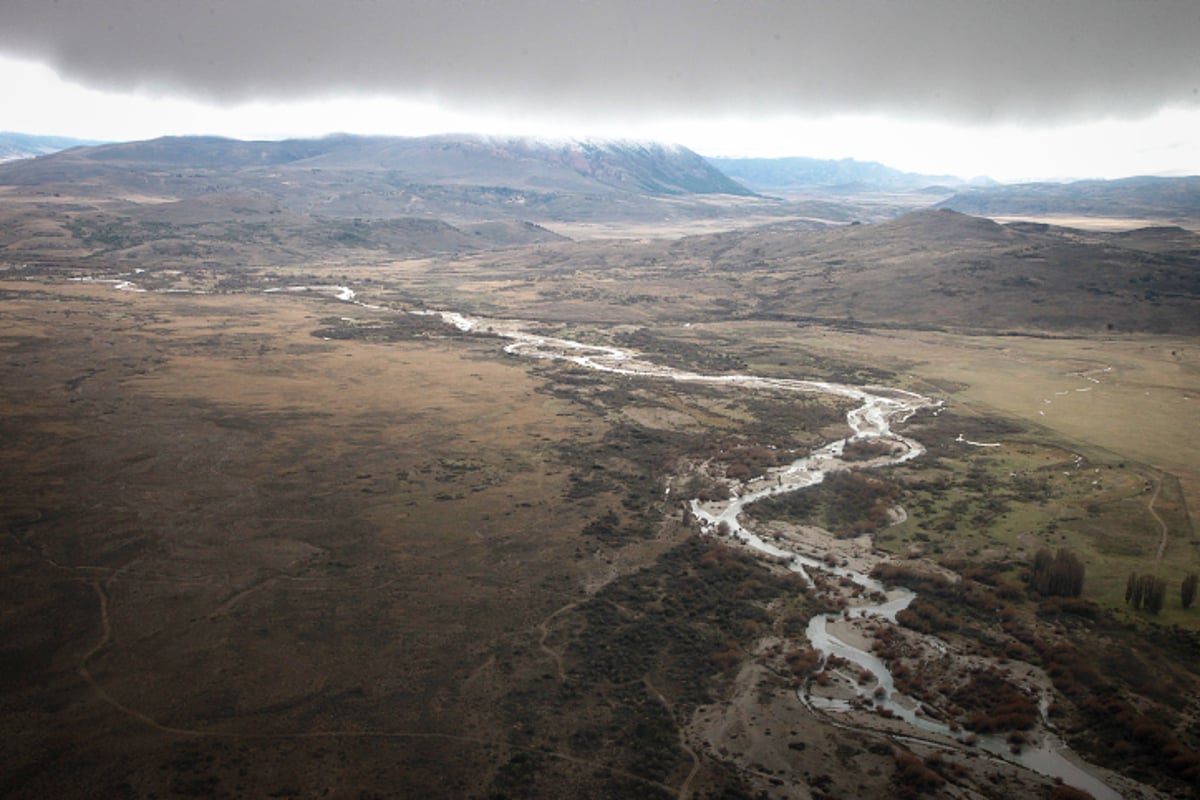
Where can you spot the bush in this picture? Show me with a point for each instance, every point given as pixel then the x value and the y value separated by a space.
pixel 913 776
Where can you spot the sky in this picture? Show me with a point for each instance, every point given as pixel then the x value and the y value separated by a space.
pixel 1005 88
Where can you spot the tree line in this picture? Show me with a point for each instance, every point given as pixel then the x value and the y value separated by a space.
pixel 1059 574
pixel 1149 592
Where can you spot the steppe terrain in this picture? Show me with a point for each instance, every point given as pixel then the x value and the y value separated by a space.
pixel 291 543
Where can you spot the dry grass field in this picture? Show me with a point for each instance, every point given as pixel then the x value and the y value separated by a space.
pixel 234 545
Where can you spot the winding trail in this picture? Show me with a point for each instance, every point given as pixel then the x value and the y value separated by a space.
pixel 1162 542
pixel 685 788
pixel 544 628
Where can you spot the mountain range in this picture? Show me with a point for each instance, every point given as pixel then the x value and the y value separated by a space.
pixel 14 146
pixel 794 174
pixel 458 177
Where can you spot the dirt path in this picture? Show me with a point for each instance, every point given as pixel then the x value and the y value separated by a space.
pixel 685 788
pixel 544 627
pixel 1162 544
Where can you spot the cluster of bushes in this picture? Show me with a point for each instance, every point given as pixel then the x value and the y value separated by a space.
pixel 866 449
pixel 608 529
pixel 703 488
pixel 646 647
pixel 970 607
pixel 688 617
pixel 925 617
pixel 915 776
pixel 791 416
pixel 803 661
pixel 1134 741
pixel 1122 698
pixel 683 354
pixel 845 503
pixel 993 704
pixel 397 328
pixel 962 600
pixel 630 461
pixel 743 462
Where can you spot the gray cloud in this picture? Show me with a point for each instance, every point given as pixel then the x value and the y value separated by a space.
pixel 1044 60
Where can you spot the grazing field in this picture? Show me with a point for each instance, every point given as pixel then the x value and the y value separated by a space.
pixel 1133 396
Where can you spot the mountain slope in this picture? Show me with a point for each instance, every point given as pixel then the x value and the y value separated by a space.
pixel 462 177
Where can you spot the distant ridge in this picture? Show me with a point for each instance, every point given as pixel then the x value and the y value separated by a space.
pixel 15 146
pixel 649 168
pixel 847 174
pixel 1147 197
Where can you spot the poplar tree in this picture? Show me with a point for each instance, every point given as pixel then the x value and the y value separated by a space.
pixel 1187 590
pixel 1059 574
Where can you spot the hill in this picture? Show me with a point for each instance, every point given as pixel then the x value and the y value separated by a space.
pixel 1175 200
pixel 231 231
pixel 927 269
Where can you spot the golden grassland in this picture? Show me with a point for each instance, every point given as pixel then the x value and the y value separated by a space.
pixel 1097 223
pixel 1135 396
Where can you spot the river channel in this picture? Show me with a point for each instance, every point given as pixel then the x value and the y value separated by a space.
pixel 877 411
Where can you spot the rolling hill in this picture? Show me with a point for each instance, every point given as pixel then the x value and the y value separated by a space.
pixel 927 269
pixel 1174 200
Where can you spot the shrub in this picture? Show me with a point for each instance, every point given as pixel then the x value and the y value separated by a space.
pixel 913 776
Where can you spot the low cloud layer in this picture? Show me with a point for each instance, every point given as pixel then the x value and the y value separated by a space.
pixel 958 60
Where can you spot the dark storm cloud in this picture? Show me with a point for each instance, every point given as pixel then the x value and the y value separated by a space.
pixel 1026 61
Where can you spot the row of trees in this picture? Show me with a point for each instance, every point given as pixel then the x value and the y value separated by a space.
pixel 1145 591
pixel 1150 592
pixel 1059 574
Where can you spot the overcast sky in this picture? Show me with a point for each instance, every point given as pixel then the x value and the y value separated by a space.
pixel 1007 88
